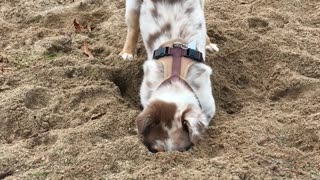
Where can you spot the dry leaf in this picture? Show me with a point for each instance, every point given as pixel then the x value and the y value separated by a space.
pixel 2 67
pixel 77 26
pixel 86 50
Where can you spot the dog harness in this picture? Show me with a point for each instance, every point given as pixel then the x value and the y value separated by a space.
pixel 176 61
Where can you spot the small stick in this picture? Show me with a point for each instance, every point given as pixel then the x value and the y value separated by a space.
pixel 87 51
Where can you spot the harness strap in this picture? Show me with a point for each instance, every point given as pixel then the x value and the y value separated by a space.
pixel 179 64
pixel 167 63
pixel 176 61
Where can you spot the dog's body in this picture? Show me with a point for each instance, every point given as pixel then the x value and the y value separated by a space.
pixel 174 117
pixel 133 8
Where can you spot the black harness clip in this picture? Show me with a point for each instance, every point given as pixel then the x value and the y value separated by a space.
pixel 161 52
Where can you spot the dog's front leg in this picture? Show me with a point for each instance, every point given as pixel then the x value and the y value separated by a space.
pixel 132 21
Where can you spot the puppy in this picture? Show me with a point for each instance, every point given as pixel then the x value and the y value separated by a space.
pixel 176 92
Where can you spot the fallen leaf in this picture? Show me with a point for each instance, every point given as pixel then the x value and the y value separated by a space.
pixel 87 51
pixel 77 26
pixel 2 67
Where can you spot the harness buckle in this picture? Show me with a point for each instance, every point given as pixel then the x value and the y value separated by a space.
pixel 161 52
pixel 180 45
pixel 194 54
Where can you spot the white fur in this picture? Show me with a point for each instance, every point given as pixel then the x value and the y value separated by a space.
pixel 177 93
pixel 198 76
pixel 150 25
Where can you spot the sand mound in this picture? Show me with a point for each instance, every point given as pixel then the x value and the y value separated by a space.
pixel 63 116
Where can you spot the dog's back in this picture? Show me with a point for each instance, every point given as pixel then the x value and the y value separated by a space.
pixel 166 20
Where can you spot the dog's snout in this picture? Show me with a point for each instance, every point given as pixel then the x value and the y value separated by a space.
pixel 153 150
pixel 189 147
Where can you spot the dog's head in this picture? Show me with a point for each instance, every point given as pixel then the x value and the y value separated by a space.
pixel 167 127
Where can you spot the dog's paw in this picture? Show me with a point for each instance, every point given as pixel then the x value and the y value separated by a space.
pixel 126 56
pixel 212 47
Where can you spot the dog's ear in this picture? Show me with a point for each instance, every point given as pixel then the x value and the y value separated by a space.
pixel 194 131
pixel 192 125
pixel 143 121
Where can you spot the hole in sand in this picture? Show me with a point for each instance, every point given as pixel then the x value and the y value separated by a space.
pixel 128 81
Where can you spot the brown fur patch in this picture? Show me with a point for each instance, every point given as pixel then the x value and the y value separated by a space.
pixel 189 10
pixel 149 84
pixel 195 85
pixel 166 28
pixel 160 113
pixel 155 12
pixel 174 1
pixel 183 32
pixel 150 121
pixel 163 112
pixel 133 33
pixel 168 1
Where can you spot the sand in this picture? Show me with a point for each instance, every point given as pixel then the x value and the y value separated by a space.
pixel 63 116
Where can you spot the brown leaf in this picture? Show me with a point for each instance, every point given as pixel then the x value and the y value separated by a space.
pixel 87 51
pixel 2 66
pixel 77 26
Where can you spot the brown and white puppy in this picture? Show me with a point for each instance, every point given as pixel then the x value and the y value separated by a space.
pixel 174 117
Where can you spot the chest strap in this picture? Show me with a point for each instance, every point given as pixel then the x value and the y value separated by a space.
pixel 175 68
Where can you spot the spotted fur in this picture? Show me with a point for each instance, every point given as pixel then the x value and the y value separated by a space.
pixel 172 118
pixel 153 9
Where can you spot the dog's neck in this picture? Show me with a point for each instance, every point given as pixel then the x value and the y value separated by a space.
pixel 176 93
pixel 172 41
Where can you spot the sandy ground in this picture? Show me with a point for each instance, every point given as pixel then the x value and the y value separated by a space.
pixel 63 116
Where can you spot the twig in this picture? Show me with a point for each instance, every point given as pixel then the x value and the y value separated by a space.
pixel 87 51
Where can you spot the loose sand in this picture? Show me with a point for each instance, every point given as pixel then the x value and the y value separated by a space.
pixel 63 116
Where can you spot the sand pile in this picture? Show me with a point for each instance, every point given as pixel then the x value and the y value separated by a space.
pixel 63 116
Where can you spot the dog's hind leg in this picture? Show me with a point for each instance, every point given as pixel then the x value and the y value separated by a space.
pixel 209 46
pixel 132 21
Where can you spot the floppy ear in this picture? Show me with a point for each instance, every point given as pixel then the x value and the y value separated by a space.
pixel 195 129
pixel 192 122
pixel 143 121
